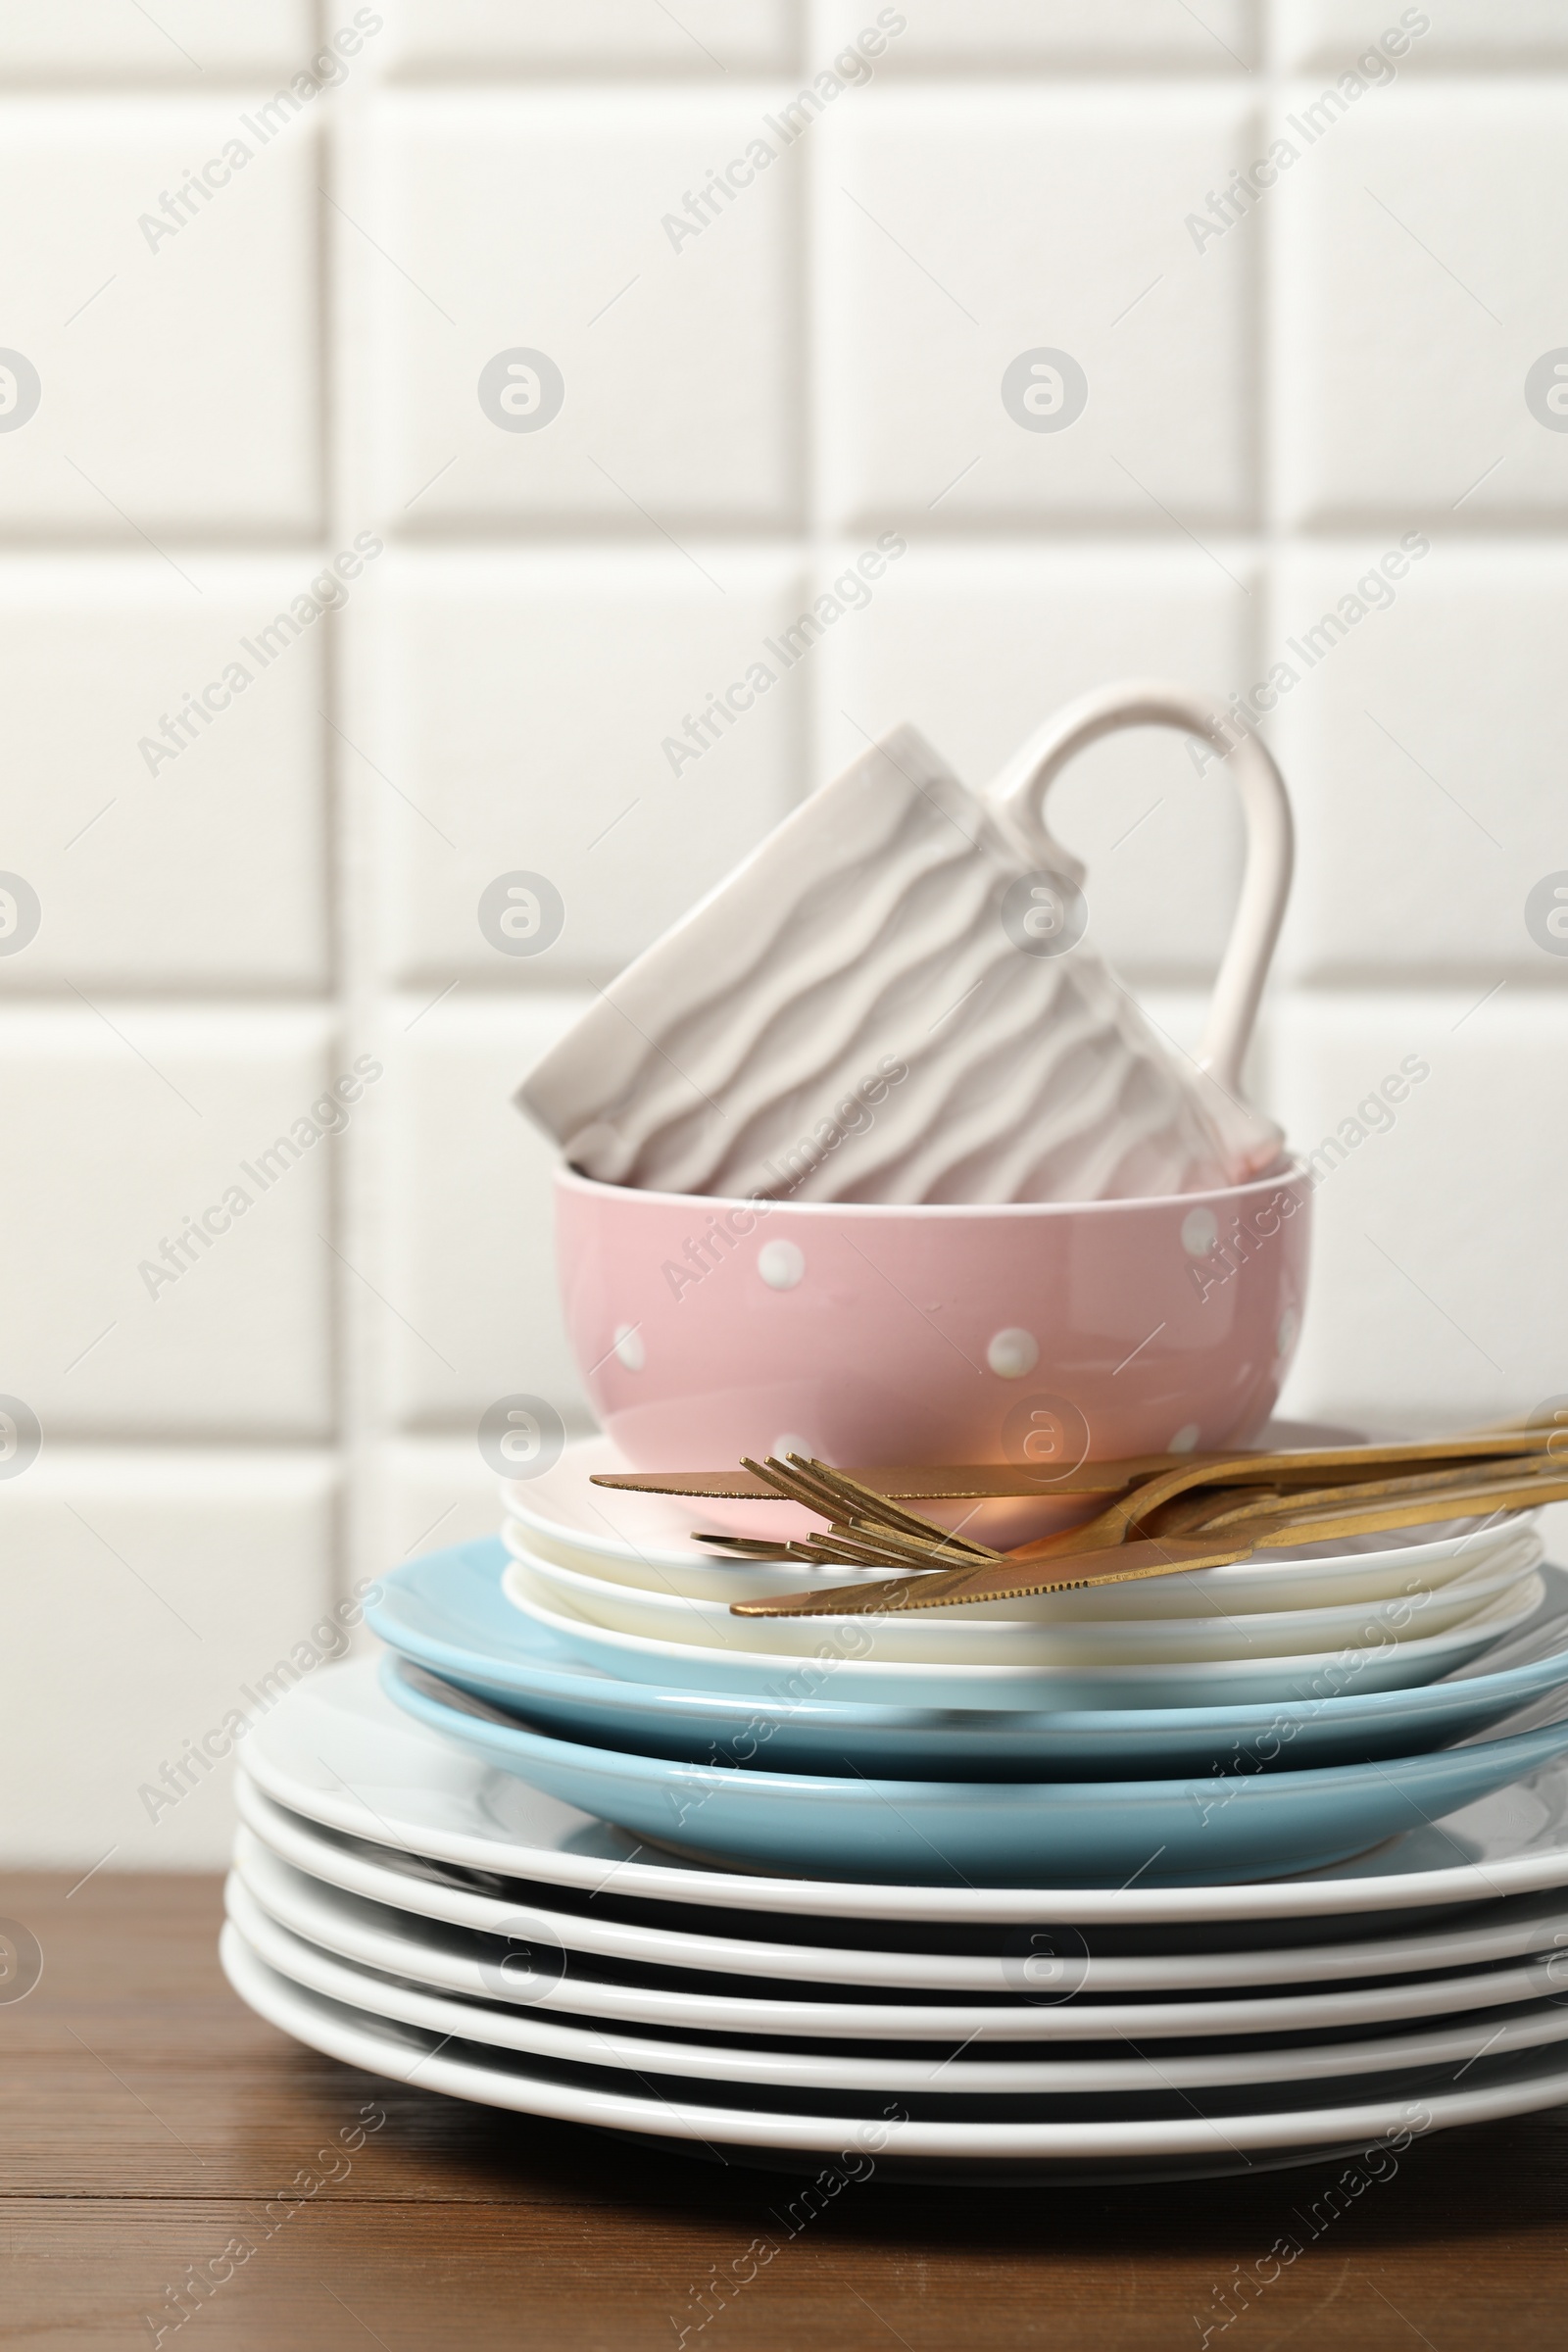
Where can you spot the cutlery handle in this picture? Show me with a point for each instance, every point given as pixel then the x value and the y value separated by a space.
pixel 1016 798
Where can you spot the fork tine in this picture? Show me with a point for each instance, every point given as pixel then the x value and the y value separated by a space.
pixel 774 1474
pixel 866 1502
pixel 792 1487
pixel 751 1547
pixel 814 1486
pixel 816 1549
pixel 822 1493
pixel 887 1547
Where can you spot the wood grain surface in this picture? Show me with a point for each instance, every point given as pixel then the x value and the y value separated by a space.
pixel 153 2129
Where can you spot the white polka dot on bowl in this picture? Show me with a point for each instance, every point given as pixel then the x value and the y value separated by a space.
pixel 1200 1232
pixel 1012 1353
pixel 781 1264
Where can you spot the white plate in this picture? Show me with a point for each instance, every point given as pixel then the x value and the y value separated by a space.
pixel 1186 2146
pixel 966 1637
pixel 710 1577
pixel 836 1666
pixel 957 2077
pixel 646 1539
pixel 1319 1576
pixel 385 1932
pixel 337 1751
pixel 608 1527
pixel 288 1860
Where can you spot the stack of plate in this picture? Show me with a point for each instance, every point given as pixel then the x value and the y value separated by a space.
pixel 616 1578
pixel 1268 1870
pixel 402 1906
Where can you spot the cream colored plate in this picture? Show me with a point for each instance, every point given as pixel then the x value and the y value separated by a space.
pixel 958 1638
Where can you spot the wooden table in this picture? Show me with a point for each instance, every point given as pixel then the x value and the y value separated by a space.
pixel 152 2127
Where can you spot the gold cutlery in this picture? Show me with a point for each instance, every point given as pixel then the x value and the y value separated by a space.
pixel 1268 1524
pixel 1005 1480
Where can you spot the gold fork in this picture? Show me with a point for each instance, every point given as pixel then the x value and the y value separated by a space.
pixel 1008 1576
pixel 868 1530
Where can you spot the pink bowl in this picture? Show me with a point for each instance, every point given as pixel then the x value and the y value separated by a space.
pixel 1036 1332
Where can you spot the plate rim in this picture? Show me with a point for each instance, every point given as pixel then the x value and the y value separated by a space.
pixel 1235 2068
pixel 1492 1574
pixel 1017 1677
pixel 268 1842
pixel 598 1687
pixel 514 1492
pixel 667 2120
pixel 782 1788
pixel 672 1880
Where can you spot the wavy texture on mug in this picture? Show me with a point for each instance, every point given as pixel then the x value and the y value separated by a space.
pixel 1029 1077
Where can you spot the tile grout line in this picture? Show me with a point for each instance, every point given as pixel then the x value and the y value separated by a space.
pixel 353 1219
pixel 812 751
pixel 1278 991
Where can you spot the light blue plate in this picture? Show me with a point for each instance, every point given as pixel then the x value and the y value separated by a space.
pixel 447 1612
pixel 1193 1832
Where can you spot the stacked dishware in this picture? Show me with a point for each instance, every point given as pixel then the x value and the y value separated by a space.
pixel 1096 1913
pixel 1130 1803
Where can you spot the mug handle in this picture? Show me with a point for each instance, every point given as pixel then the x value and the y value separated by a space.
pixel 1016 800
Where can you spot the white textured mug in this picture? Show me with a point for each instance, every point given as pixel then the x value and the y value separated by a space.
pixel 892 1000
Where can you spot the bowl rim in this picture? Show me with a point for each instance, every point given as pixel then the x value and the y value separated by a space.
pixel 1288 1171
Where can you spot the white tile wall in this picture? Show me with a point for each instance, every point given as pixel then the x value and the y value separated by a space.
pixel 1433 805
pixel 150 1128
pixel 192 863
pixel 1420 297
pixel 476 39
pixel 975 642
pixel 181 356
pixel 1334 33
pixel 682 361
pixel 180 45
pixel 521 704
pixel 468 1243
pixel 938 268
pixel 989 37
pixel 146 1596
pixel 259 823
pixel 1449 1288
